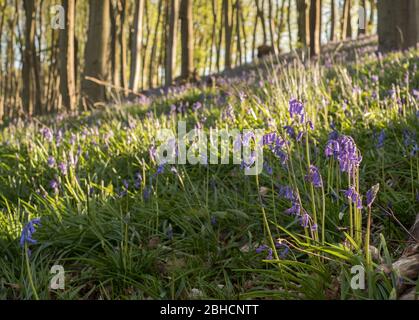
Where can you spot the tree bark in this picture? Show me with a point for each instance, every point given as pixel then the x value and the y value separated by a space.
pixel 303 23
pixel 30 94
pixel 171 42
pixel 97 52
pixel 187 39
pixel 333 20
pixel 398 24
pixel 228 26
pixel 346 27
pixel 136 45
pixel 67 52
pixel 315 27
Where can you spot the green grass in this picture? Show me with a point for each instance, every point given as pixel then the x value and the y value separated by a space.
pixel 131 246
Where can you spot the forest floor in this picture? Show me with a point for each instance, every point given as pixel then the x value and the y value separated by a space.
pixel 87 193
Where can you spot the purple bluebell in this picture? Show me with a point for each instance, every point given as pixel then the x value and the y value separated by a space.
pixel 286 192
pixel 51 161
pixel 296 108
pixel 261 248
pixel 290 131
pixel 314 177
pixel 47 134
pixel 380 139
pixel 346 152
pixel 267 168
pixel 294 210
pixel 354 197
pixel 54 185
pixel 304 220
pixel 28 230
pixel 63 168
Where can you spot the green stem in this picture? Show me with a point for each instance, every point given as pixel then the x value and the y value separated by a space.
pixel 28 267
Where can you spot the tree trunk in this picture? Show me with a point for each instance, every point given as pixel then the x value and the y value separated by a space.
pixel 30 94
pixel 303 23
pixel 333 20
pixel 136 45
pixel 97 52
pixel 153 57
pixel 171 42
pixel 346 27
pixel 228 26
pixel 238 37
pixel 271 26
pixel 315 27
pixel 289 25
pixel 363 7
pixel 67 66
pixel 398 24
pixel 122 8
pixel 187 39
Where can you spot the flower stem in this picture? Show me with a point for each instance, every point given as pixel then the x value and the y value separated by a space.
pixel 28 267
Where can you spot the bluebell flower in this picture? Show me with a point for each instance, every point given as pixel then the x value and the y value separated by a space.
pixel 294 210
pixel 261 248
pixel 290 131
pixel 27 233
pixel 296 108
pixel 63 168
pixel 304 220
pixel 51 161
pixel 54 185
pixel 314 177
pixel 267 168
pixel 380 139
pixel 353 196
pixel 287 193
pixel 47 134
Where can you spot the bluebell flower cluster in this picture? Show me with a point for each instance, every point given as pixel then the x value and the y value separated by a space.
pixel 27 233
pixel 345 151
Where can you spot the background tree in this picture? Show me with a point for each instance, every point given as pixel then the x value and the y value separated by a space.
pixel 187 39
pixel 97 52
pixel 136 44
pixel 398 24
pixel 315 27
pixel 67 57
pixel 171 41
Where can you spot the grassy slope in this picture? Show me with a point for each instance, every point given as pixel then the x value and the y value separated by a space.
pixel 198 227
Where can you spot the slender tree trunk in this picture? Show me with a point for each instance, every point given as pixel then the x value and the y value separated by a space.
pixel 243 26
pixel 261 14
pixel 171 43
pixel 67 67
pixel 97 51
pixel 372 16
pixel 315 27
pixel 136 45
pixel 154 46
pixel 271 26
pixel 228 25
pixel 346 26
pixel 333 20
pixel 213 34
pixel 122 8
pixel 363 7
pixel 398 24
pixel 30 93
pixel 289 25
pixel 238 37
pixel 303 23
pixel 187 39
pixel 281 25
